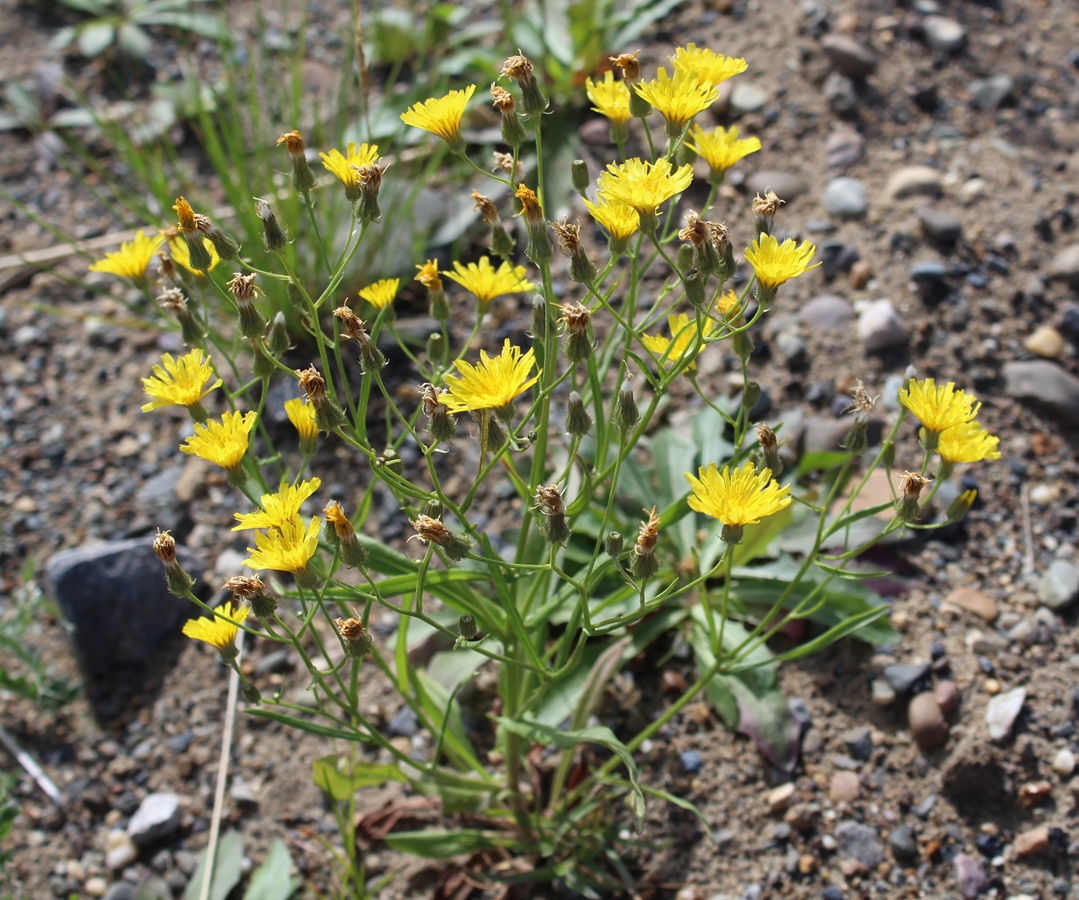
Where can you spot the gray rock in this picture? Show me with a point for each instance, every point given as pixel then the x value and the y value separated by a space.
pixel 748 97
pixel 882 693
pixel 1025 632
pixel 792 348
pixel 850 57
pixel 122 890
pixel 404 723
pixel 860 842
pixel 158 816
pixel 840 92
pixel 942 33
pixel 1059 586
pixel 787 185
pixel 1064 266
pixel 844 149
pixel 989 93
pixel 970 880
pixel 859 742
pixel 880 327
pixel 116 600
pixel 914 181
pixel 827 313
pixel 845 197
pixel 903 677
pixel 939 225
pixel 157 498
pixel 1046 384
pixel 903 843
pixel 1002 711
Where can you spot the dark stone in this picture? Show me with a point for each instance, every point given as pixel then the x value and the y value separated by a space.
pixel 404 723
pixel 903 843
pixel 832 893
pixel 989 845
pixel 116 600
pixel 859 743
pixel 691 761
pixel 860 842
pixel 1069 322
pixel 923 809
pixel 905 677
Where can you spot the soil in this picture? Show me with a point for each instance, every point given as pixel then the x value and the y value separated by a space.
pixel 78 454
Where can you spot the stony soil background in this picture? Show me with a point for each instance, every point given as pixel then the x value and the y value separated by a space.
pixel 929 150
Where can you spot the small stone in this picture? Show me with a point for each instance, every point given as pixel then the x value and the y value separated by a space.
pixel 845 198
pixel 991 92
pixel 157 816
pixel 120 850
pixel 748 97
pixel 123 890
pixel 849 56
pixel 807 864
pixel 1059 586
pixel 859 742
pixel 903 677
pixel 1044 494
pixel 1024 632
pixel 1069 322
pixel 940 226
pixel 845 787
pixel 404 723
pixel 691 761
pixel 841 93
pixel 844 149
pixel 787 185
pixel 827 313
pixel 832 892
pixel 1002 711
pixel 1046 384
pixel 1045 341
pixel 861 272
pixel 859 842
pixel 882 693
pixel 914 181
pixel 993 687
pixel 880 327
pixel 903 843
pixel 1064 266
pixel 96 886
pixel 969 877
pixel 947 696
pixel 792 348
pixel 973 601
pixel 942 33
pixel 1064 762
pixel 802 816
pixel 928 726
pixel 779 798
pixel 1032 842
pixel 980 643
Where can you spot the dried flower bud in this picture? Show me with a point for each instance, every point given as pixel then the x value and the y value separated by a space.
pixel 341 535
pixel 911 485
pixel 252 589
pixel 432 531
pixel 273 234
pixel 513 129
pixel 770 449
pixel 252 323
pixel 226 247
pixel 742 344
pixel 519 68
pixel 356 639
pixel 370 178
pixel 303 179
pixel 764 211
pixel 175 304
pixel 505 162
pixel 328 415
pixel 502 242
pixel 178 581
pixel 581 268
pixel 629 64
pixel 721 240
pixel 539 248
pixel 371 358
pixel 576 340
pixel 552 523
pixel 440 424
pixel 644 563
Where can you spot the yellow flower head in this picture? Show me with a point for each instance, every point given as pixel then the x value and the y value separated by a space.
pixel 967 443
pixel 683 335
pixel 721 147
pixel 381 293
pixel 611 97
pixel 487 282
pixel 180 382
pixel 619 220
pixel 678 99
pixel 643 185
pixel 302 416
pixel 727 303
pixel 346 165
pixel 288 548
pixel 428 276
pixel 493 384
pixel 280 508
pixel 742 498
pixel 939 408
pixel 217 632
pixel 181 255
pixel 441 116
pixel 223 443
pixel 774 263
pixel 707 65
pixel 133 257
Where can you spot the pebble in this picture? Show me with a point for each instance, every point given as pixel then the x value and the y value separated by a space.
pixel 939 225
pixel 860 842
pixel 914 181
pixel 792 348
pixel 157 816
pixel 843 149
pixel 802 816
pixel 827 313
pixel 947 696
pixel 942 33
pixel 1045 341
pixel 880 327
pixel 787 185
pixel 991 92
pixel 779 798
pixel 1069 322
pixel 904 676
pixel 96 886
pixel 882 693
pixel 840 92
pixel 981 643
pixel 748 97
pixel 832 892
pixel 1046 384
pixel 850 57
pixel 1064 266
pixel 1064 762
pixel 903 843
pixel 927 724
pixel 1032 842
pixel 845 198
pixel 1002 711
pixel 404 723
pixel 969 877
pixel 845 787
pixel 123 890
pixel 120 850
pixel 1059 586
pixel 993 687
pixel 691 761
pixel 973 601
pixel 859 742
pixel 860 274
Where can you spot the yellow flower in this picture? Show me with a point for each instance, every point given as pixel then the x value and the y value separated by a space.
pixel 346 165
pixel 939 408
pixel 707 65
pixel 278 509
pixel 217 632
pixel 683 335
pixel 611 97
pixel 441 116
pixel 487 282
pixel 619 220
pixel 644 186
pixel 381 293
pixel 967 443
pixel 181 255
pixel 774 263
pixel 742 498
pixel 133 257
pixel 180 382
pixel 428 276
pixel 721 147
pixel 288 548
pixel 223 443
pixel 493 384
pixel 726 303
pixel 302 416
pixel 678 99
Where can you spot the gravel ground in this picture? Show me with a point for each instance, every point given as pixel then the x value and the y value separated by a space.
pixel 929 150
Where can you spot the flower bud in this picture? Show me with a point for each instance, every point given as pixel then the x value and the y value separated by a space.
pixel 626 413
pixel 579 176
pixel 278 338
pixel 273 234
pixel 694 284
pixel 341 535
pixel 178 581
pixel 466 627
pixel 644 564
pixel 429 277
pixel 434 509
pixel 262 366
pixel 538 327
pixel 552 522
pixel 252 694
pixel 436 346
pixel 750 395
pixel 513 129
pixel 303 179
pixel 252 589
pixel 578 421
pixel 614 544
pixel 639 108
pixel 356 639
pixel 432 531
pixel 960 506
pixel 198 256
pixel 685 257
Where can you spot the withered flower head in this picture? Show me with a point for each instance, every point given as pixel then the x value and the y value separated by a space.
pixel 252 589
pixel 862 404
pixel 432 531
pixel 767 438
pixel 354 326
pixel 629 64
pixel 696 230
pixel 186 216
pixel 292 141
pixel 312 384
pixel 178 581
pixel 440 424
pixel 643 565
pixel 370 176
pixel 552 524
pixel 335 516
pixel 549 500
pixel 721 237
pixel 430 398
pixel 911 484
pixel 569 236
pixel 506 163
pixel 503 99
pixel 486 208
pixel 576 317
pixel 165 547
pixel 530 207
pixel 354 636
pixel 243 287
pixel 517 67
pixel 167 268
pixel 766 207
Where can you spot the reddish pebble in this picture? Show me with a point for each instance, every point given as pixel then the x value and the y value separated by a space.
pixel 947 696
pixel 927 724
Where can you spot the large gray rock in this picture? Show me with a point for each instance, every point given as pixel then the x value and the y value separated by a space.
pixel 849 56
pixel 1065 265
pixel 1045 384
pixel 158 816
pixel 1059 586
pixel 115 598
pixel 860 842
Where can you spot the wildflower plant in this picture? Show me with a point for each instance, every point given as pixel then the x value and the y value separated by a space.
pixel 520 557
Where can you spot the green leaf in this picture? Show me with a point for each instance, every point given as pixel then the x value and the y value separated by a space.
pixel 340 786
pixel 307 725
pixel 228 869
pixel 823 461
pixel 134 41
pixel 271 880
pixel 608 664
pixel 444 713
pixel 567 740
pixel 90 7
pixel 674 455
pixel 95 38
pixel 437 844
